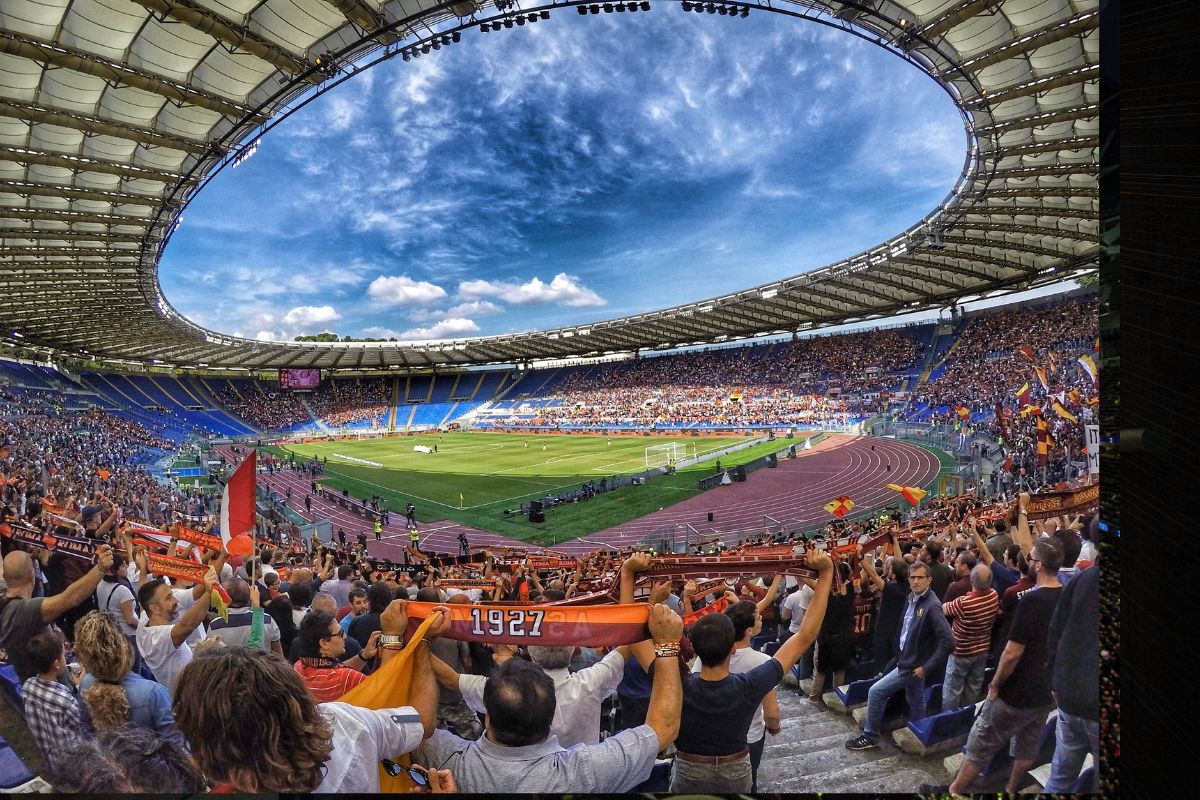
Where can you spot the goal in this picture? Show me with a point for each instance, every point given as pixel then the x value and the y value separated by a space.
pixel 664 455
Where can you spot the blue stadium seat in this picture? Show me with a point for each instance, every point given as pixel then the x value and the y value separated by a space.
pixel 762 640
pixel 943 726
pixel 10 686
pixel 13 772
pixel 855 694
pixel 771 648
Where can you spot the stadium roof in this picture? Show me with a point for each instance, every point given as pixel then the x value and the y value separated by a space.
pixel 114 112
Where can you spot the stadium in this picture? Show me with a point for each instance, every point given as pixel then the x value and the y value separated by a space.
pixel 648 485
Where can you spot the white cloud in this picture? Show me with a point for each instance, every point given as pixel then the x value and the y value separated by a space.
pixel 399 290
pixel 303 316
pixel 455 326
pixel 380 332
pixel 474 308
pixel 563 289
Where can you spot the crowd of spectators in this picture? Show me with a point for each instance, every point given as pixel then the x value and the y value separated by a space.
pixel 345 402
pixel 987 367
pixel 269 408
pixel 132 675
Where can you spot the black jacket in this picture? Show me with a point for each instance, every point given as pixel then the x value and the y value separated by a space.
pixel 930 641
pixel 1073 646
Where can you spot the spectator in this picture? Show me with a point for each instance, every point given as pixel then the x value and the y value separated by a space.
pixel 1073 661
pixel 973 616
pixel 253 726
pixel 358 607
pixel 963 564
pixel 712 752
pixel 23 616
pixel 128 760
pixel 340 587
pixel 940 574
pixel 51 709
pixel 114 695
pixel 236 631
pixel 281 611
pixel 1019 697
pixel 162 641
pixel 925 642
pixel 321 648
pixel 378 596
pixel 835 641
pixel 519 754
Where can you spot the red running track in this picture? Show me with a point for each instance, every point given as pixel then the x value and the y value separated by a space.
pixel 794 493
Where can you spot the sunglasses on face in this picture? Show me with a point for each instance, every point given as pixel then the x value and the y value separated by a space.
pixel 394 769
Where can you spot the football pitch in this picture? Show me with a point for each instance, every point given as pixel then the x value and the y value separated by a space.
pixel 474 478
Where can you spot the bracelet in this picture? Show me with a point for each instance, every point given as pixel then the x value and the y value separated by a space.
pixel 667 650
pixel 391 640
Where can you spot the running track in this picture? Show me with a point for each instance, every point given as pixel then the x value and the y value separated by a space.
pixel 794 493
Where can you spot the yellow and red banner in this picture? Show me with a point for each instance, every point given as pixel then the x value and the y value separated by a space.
pixel 1041 376
pixel 839 506
pixel 912 494
pixel 1024 395
pixel 1089 366
pixel 1062 412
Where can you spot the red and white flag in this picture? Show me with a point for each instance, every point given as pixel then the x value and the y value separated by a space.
pixel 237 509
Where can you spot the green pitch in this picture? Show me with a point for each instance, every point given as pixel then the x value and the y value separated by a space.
pixel 474 477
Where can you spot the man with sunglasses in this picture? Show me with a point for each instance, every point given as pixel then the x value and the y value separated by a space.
pixel 322 644
pixel 925 642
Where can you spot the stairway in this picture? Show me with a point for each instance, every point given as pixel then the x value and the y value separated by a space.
pixel 809 755
pixel 312 413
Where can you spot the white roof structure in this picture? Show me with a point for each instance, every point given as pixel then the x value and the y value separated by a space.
pixel 114 112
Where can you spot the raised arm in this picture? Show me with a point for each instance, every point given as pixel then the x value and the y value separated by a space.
pixel 797 645
pixel 868 565
pixel 192 618
pixel 1021 535
pixel 666 691
pixel 769 598
pixel 55 606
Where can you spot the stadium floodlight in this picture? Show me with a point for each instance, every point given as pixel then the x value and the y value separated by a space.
pixel 745 12
pixel 645 5
pixel 544 13
pixel 581 9
pixel 620 7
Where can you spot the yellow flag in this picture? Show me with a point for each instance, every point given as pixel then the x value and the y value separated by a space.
pixel 218 605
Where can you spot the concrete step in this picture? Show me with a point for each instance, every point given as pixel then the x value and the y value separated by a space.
pixel 903 781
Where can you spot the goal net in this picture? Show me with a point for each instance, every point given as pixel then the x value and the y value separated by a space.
pixel 664 455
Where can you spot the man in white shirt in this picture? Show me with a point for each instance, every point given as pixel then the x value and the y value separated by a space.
pixel 792 613
pixel 578 695
pixel 163 639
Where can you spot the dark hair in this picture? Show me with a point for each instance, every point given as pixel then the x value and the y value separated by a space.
pixel 128 759
pixel 934 549
pixel 280 609
pixel 251 721
pixel 741 614
pixel 713 638
pixel 379 596
pixel 344 572
pixel 357 593
pixel 844 570
pixel 1050 554
pixel 146 593
pixel 313 628
pixel 1070 544
pixel 520 703
pixel 900 570
pixel 301 595
pixel 1001 526
pixel 1013 554
pixel 238 591
pixel 44 649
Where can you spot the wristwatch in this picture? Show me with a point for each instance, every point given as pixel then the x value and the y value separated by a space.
pixel 391 641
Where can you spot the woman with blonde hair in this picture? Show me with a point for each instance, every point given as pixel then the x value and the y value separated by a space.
pixel 114 695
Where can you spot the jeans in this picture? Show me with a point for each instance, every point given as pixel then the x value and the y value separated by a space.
pixel 883 689
pixel 756 753
pixel 964 679
pixel 730 778
pixel 1074 737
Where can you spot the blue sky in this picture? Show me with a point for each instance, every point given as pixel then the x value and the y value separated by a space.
pixel 573 170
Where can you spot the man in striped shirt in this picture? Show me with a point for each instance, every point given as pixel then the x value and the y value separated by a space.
pixel 971 618
pixel 322 643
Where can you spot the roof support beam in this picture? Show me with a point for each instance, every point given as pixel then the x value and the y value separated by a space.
pixel 956 16
pixel 1040 120
pixel 894 268
pixel 1076 26
pixel 1039 85
pixel 999 244
pixel 57 55
pixel 41 234
pixel 221 29
pixel 47 158
pixel 76 216
pixel 1040 191
pixel 845 281
pixel 1048 170
pixel 96 126
pixel 1017 228
pixel 1071 144
pixel 974 257
pixel 55 252
pixel 36 189
pixel 875 277
pixel 1030 211
pixel 365 17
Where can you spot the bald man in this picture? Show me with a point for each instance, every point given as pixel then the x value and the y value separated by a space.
pixel 22 616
